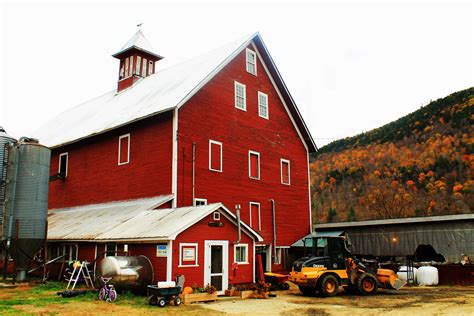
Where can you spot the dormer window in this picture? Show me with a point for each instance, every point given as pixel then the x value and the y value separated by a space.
pixel 251 62
pixel 150 68
pixel 138 65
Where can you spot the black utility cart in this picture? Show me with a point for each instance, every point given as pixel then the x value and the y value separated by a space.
pixel 161 296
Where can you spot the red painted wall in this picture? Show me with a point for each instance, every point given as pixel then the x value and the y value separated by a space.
pixel 200 232
pixel 94 175
pixel 211 114
pixel 158 263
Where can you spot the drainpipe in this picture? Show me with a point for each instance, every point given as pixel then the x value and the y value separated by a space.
pixel 194 170
pixel 274 230
pixel 237 208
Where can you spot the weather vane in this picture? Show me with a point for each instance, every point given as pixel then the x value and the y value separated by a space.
pixel 139 25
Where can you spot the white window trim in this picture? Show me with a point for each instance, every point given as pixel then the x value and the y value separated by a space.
pixel 250 170
pixel 105 250
pixel 120 150
pixel 258 101
pixel 259 218
pixel 199 200
pixel 67 162
pixel 282 161
pixel 246 246
pixel 247 51
pixel 216 216
pixel 210 155
pixel 238 84
pixel 181 245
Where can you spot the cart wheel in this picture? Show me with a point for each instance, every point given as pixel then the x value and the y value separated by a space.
pixel 161 302
pixel 177 301
pixel 286 286
pixel 152 300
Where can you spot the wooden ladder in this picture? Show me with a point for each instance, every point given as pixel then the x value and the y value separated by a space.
pixel 82 269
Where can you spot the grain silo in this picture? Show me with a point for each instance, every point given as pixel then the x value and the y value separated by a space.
pixel 26 201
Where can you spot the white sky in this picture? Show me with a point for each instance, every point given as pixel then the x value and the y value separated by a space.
pixel 350 67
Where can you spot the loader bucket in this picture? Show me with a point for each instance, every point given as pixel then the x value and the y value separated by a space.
pixel 389 280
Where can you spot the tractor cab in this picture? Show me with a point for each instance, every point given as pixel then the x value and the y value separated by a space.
pixel 327 252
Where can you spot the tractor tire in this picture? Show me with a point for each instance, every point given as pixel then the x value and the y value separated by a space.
pixel 328 286
pixel 307 290
pixel 367 284
pixel 286 286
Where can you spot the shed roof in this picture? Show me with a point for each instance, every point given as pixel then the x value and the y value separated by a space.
pixel 167 89
pixel 137 220
pixel 395 221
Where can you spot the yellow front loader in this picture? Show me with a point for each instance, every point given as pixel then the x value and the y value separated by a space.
pixel 331 265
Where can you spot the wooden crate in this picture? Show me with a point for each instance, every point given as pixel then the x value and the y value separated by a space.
pixel 198 297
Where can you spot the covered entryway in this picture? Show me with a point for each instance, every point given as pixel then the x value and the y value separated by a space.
pixel 216 261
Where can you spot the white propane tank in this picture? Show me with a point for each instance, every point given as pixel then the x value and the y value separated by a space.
pixel 402 273
pixel 427 276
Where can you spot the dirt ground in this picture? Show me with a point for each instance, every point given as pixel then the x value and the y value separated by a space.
pixel 28 300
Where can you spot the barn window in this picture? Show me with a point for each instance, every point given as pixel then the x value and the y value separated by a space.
pixel 262 105
pixel 130 71
pixel 241 253
pixel 216 216
pixel 254 165
pixel 110 249
pixel 188 254
pixel 251 62
pixel 138 65
pixel 277 259
pixel 63 162
pixel 144 67
pixel 122 70
pixel 124 149
pixel 285 171
pixel 198 202
pixel 215 156
pixel 150 67
pixel 240 98
pixel 255 216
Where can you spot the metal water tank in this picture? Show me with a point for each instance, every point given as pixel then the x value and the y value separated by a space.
pixel 26 204
pixel 5 140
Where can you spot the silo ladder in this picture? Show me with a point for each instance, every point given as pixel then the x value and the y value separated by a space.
pixel 82 269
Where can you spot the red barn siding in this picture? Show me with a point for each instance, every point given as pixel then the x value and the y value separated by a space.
pixel 200 232
pixel 211 114
pixel 94 175
pixel 158 263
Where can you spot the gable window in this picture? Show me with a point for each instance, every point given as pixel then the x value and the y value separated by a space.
pixel 216 216
pixel 198 202
pixel 63 161
pixel 124 149
pixel 138 65
pixel 251 62
pixel 262 105
pixel 144 67
pixel 255 216
pixel 285 171
pixel 254 165
pixel 240 98
pixel 241 253
pixel 215 156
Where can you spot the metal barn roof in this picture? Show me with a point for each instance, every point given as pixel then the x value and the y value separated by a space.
pixel 167 89
pixel 137 220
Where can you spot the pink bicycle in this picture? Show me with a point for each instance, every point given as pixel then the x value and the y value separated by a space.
pixel 107 292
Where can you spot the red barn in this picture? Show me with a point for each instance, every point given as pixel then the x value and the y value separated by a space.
pixel 220 129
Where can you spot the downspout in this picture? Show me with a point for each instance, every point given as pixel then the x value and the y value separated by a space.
pixel 274 230
pixel 237 208
pixel 194 170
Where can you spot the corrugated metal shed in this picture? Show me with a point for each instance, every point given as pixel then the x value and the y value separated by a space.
pixel 136 220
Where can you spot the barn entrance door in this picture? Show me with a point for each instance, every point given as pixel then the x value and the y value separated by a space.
pixel 216 262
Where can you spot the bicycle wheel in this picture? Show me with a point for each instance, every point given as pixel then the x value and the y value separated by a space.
pixel 112 296
pixel 102 294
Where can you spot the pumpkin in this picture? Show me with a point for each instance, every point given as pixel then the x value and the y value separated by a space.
pixel 188 290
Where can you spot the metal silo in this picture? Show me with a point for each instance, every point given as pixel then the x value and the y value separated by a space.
pixel 5 141
pixel 26 204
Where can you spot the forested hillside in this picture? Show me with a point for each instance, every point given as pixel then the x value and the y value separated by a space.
pixel 419 165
